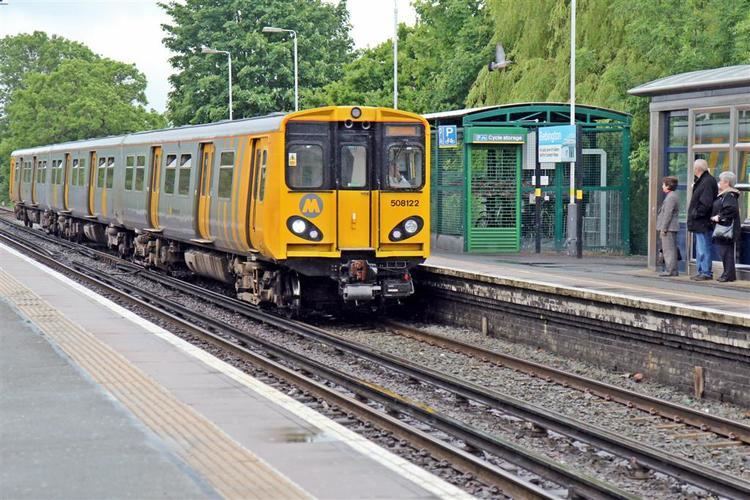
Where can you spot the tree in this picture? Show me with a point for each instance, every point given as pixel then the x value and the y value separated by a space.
pixel 263 76
pixel 79 100
pixel 620 44
pixel 34 53
pixel 438 61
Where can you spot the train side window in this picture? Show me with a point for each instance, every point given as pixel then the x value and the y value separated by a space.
pixel 257 175
pixel 140 172
pixel 53 173
pixel 129 167
pixel 226 172
pixel 39 172
pixel 170 174
pixel 44 173
pixel 60 172
pixel 82 172
pixel 101 172
pixel 74 173
pixel 110 171
pixel 263 175
pixel 304 166
pixel 183 182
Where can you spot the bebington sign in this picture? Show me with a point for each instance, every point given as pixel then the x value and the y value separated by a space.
pixel 557 144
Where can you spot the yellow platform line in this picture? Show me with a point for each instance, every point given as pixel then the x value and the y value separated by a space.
pixel 231 469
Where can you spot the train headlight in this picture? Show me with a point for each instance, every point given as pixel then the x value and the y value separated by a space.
pixel 406 228
pixel 303 228
pixel 356 113
pixel 298 226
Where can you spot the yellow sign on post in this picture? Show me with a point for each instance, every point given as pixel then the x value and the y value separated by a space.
pixel 579 194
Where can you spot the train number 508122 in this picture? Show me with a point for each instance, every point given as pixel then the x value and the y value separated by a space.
pixel 404 203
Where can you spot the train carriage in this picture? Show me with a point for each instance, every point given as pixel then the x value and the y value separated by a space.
pixel 328 203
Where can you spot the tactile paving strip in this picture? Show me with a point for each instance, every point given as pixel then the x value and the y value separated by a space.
pixel 232 470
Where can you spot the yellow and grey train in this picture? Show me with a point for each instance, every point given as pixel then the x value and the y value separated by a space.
pixel 295 209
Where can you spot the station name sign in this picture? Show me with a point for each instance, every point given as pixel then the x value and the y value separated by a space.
pixel 557 144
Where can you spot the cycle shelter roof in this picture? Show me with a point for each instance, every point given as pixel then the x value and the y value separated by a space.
pixel 530 114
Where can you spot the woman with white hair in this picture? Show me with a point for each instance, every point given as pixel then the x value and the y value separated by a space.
pixel 726 215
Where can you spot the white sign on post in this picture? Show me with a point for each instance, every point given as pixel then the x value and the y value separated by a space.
pixel 557 144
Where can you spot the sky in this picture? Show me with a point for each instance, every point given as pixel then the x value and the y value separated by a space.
pixel 130 30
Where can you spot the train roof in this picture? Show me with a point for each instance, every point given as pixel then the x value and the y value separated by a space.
pixel 187 133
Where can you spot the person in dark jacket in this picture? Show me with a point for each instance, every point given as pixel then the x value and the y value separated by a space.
pixel 699 218
pixel 668 224
pixel 726 213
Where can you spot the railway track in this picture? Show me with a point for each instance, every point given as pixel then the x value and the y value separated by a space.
pixel 234 341
pixel 685 470
pixel 735 432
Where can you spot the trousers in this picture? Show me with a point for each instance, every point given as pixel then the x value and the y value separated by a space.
pixel 669 249
pixel 703 253
pixel 726 253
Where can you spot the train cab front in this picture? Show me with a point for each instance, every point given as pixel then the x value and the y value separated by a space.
pixel 358 176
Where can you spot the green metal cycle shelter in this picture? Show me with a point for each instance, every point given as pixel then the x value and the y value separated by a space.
pixel 473 180
pixel 493 185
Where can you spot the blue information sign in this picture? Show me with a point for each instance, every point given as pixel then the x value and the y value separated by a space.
pixel 557 144
pixel 447 136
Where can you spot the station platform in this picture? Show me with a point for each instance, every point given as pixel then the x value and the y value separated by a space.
pixel 620 280
pixel 96 402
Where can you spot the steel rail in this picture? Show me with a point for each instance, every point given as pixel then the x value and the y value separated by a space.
pixel 654 406
pixel 678 467
pixel 484 471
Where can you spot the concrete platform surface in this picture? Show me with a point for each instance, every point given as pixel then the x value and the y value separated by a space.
pixel 62 436
pixel 98 403
pixel 605 278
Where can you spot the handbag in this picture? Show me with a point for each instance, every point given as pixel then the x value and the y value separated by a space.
pixel 723 232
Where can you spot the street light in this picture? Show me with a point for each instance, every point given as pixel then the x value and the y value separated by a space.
pixel 206 50
pixel 271 29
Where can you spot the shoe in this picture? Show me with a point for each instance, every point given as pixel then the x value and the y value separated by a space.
pixel 665 275
pixel 724 280
pixel 703 277
pixel 695 277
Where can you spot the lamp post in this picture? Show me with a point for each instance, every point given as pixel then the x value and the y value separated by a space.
pixel 395 54
pixel 271 29
pixel 206 50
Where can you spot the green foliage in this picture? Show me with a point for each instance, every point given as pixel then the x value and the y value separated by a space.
pixel 263 71
pixel 79 100
pixel 23 54
pixel 620 44
pixel 55 90
pixel 438 61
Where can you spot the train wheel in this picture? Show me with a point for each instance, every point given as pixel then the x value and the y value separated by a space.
pixel 292 295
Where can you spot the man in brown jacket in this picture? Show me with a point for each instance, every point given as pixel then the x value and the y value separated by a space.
pixel 668 224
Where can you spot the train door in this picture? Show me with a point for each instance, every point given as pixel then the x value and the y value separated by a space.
pixel 259 181
pixel 13 178
pixel 354 161
pixel 66 182
pixel 92 182
pixel 34 168
pixel 203 207
pixel 153 189
pixel 255 157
